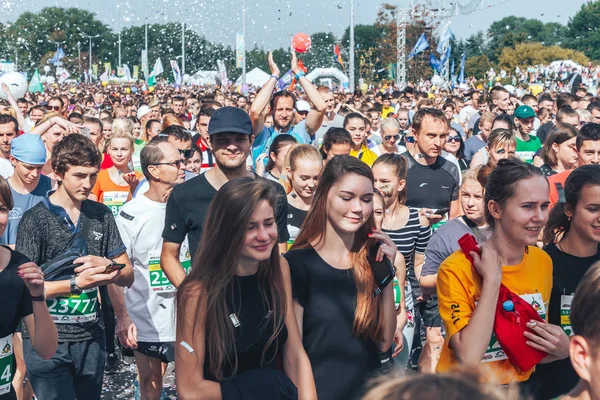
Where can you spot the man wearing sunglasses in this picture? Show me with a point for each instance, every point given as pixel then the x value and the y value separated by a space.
pixel 55 104
pixel 140 224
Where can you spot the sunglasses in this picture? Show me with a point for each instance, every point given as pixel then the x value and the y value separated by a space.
pixel 453 139
pixel 409 139
pixel 390 137
pixel 51 108
pixel 187 153
pixel 176 163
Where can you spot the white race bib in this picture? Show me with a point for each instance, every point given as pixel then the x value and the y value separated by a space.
pixel 6 363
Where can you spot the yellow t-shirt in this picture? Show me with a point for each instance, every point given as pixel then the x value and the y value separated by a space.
pixel 386 111
pixel 365 154
pixel 459 289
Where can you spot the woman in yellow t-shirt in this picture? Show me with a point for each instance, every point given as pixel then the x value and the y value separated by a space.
pixel 355 124
pixel 516 199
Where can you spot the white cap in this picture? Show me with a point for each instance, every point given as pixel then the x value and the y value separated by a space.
pixel 143 110
pixel 302 105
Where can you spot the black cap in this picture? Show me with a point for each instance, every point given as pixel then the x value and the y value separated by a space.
pixel 230 120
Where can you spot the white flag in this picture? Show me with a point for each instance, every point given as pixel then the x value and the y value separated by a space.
pixel 64 75
pixel 158 68
pixel 104 76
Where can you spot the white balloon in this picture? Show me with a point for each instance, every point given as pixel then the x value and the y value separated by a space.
pixel 46 68
pixel 17 85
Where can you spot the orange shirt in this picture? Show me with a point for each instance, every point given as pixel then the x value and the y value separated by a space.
pixel 459 290
pixel 561 178
pixel 111 194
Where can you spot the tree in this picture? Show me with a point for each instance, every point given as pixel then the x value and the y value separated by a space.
pixel 526 54
pixel 321 51
pixel 37 34
pixel 477 66
pixel 583 30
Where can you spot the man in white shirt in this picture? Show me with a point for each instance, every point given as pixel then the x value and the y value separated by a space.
pixel 151 300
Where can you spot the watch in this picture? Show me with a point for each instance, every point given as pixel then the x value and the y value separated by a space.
pixel 76 290
pixel 41 297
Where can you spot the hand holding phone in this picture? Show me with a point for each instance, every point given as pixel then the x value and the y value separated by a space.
pixel 113 267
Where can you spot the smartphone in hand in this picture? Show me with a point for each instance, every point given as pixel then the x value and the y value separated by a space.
pixel 383 271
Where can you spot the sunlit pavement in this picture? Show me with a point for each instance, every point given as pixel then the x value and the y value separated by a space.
pixel 120 384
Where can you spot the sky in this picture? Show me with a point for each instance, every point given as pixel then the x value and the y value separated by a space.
pixel 271 23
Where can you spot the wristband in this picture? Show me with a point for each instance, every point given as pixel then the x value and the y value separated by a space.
pixel 299 75
pixel 274 76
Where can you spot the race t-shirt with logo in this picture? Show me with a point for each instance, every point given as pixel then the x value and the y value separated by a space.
pixel 110 194
pixel 22 203
pixel 16 304
pixel 459 290
pixel 45 232
pixel 526 150
pixel 559 377
pixel 151 299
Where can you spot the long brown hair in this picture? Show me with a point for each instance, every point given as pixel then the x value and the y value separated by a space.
pixel 368 316
pixel 214 267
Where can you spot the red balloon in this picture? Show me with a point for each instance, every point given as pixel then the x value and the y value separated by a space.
pixel 301 42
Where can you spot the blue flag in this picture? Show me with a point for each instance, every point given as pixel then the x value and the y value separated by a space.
pixel 58 55
pixel 445 57
pixel 420 46
pixel 461 77
pixel 434 62
pixel 444 38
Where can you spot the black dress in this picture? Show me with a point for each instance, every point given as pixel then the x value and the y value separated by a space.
pixel 254 321
pixel 341 362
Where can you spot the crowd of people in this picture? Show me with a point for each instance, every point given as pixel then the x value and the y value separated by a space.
pixel 235 235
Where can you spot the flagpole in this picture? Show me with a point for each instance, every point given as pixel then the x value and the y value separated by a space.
pixel 351 50
pixel 119 50
pixel 243 42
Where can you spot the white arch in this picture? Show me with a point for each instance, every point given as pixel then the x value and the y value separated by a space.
pixel 325 72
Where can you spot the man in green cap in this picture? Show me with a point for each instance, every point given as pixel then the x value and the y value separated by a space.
pixel 527 145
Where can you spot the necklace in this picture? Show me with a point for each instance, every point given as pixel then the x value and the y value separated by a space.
pixel 389 228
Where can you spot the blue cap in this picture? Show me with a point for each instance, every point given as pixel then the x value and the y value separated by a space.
pixel 29 149
pixel 508 306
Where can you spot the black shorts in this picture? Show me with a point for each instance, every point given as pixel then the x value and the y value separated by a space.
pixel 165 352
pixel 430 312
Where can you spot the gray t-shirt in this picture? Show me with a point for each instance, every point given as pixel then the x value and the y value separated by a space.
pixel 472 145
pixel 337 122
pixel 445 242
pixel 22 203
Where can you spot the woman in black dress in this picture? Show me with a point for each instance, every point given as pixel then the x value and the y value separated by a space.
pixel 235 322
pixel 343 325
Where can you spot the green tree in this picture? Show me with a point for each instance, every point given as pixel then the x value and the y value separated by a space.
pixel 477 66
pixel 526 54
pixel 583 30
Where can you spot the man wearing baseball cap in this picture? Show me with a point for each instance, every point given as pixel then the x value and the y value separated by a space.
pixel 527 145
pixel 144 114
pixel 27 185
pixel 230 132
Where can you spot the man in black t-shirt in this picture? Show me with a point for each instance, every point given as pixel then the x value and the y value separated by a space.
pixel 230 131
pixel 432 184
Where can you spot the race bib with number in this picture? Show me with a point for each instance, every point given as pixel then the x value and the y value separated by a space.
pixel 6 364
pixel 565 314
pixel 115 200
pixel 158 279
pixel 494 352
pixel 74 309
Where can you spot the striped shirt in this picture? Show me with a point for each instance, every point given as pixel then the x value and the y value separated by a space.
pixel 411 238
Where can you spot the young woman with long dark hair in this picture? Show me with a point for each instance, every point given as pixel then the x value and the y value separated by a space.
pixel 343 325
pixel 516 209
pixel 572 239
pixel 235 319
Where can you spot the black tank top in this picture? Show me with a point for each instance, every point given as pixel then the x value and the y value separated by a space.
pixel 252 318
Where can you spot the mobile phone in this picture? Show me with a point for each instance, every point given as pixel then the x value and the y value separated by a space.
pixel 114 267
pixel 383 271
pixel 85 132
pixel 442 211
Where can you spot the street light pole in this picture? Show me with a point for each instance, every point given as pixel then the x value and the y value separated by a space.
pixel 90 37
pixel 79 56
pixel 119 50
pixel 351 46
pixel 182 48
